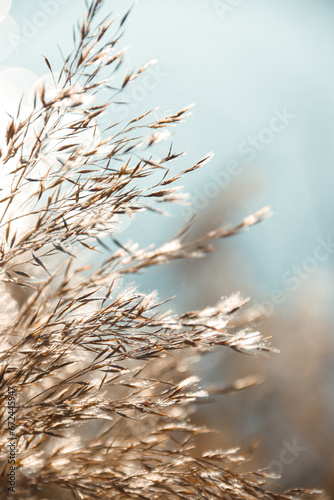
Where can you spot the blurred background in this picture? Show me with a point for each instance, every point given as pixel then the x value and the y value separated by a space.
pixel 261 75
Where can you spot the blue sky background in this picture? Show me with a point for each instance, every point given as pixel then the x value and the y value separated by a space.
pixel 237 64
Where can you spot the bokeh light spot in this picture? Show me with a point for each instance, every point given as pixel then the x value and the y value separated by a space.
pixel 4 8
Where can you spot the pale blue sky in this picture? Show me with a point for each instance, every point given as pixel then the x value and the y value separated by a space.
pixel 240 65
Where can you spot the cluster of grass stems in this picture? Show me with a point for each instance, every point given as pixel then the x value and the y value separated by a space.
pixel 101 372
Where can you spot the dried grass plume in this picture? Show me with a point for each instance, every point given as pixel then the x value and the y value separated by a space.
pixel 101 400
